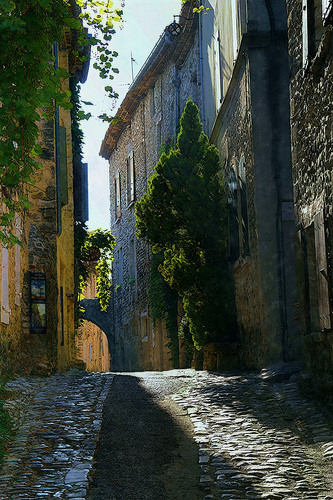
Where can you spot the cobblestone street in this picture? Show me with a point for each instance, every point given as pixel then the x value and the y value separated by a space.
pixel 254 437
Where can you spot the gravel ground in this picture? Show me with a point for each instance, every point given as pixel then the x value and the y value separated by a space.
pixel 145 450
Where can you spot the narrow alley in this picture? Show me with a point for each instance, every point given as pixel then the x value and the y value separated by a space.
pixel 178 434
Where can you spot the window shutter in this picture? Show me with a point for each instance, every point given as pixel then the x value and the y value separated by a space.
pixel 117 196
pixel 132 176
pixel 305 31
pixel 322 272
pixel 63 166
pixel 217 55
pixel 326 9
pixel 5 288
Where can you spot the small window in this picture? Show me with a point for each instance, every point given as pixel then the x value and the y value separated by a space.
pixel 326 10
pixel 117 197
pixel 120 266
pixel 130 178
pixel 234 13
pixel 217 58
pixel 152 102
pixel 5 311
pixel 132 263
pixel 233 216
pixel 158 137
pixel 324 307
pixel 243 207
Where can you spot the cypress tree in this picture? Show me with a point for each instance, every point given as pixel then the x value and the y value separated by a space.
pixel 184 214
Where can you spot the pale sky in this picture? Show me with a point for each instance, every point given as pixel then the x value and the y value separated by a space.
pixel 143 23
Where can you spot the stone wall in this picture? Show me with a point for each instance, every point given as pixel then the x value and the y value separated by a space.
pixel 45 249
pixel 311 136
pixel 252 132
pixel 91 343
pixel 138 343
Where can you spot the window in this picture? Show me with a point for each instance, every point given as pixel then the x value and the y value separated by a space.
pixel 120 266
pixel 117 198
pixel 62 321
pixel 243 207
pixel 307 31
pixel 315 15
pixel 130 178
pixel 322 272
pixel 217 56
pixel 233 216
pixel 234 8
pixel 238 212
pixel 314 274
pixel 132 259
pixel 158 137
pixel 152 102
pixel 326 9
pixel 18 263
pixel 5 312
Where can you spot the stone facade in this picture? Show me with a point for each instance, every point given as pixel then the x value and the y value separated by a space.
pixel 47 235
pixel 91 342
pixel 310 52
pixel 247 111
pixel 150 113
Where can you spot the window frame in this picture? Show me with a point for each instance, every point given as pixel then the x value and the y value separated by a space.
pixel 130 178
pixel 117 196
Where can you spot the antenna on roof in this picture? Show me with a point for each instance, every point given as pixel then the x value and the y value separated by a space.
pixel 132 61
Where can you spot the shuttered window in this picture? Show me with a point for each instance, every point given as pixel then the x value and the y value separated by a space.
pixel 308 31
pixel 217 59
pixel 63 166
pixel 18 263
pixel 117 196
pixel 326 10
pixel 243 207
pixel 322 272
pixel 5 312
pixel 130 178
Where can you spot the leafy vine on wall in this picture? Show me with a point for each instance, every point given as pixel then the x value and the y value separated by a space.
pixel 31 83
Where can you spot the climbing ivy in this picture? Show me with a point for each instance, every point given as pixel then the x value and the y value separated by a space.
pixel 32 84
pixel 163 302
pixel 85 242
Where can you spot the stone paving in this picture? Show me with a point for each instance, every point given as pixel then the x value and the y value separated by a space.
pixel 58 421
pixel 258 439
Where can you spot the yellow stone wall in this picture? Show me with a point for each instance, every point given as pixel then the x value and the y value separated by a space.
pixel 90 341
pixel 43 251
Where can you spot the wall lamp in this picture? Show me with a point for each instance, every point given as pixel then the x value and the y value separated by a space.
pixel 174 29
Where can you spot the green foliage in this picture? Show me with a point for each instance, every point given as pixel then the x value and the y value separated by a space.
pixel 184 215
pixel 31 84
pixel 185 338
pixel 163 302
pixel 84 241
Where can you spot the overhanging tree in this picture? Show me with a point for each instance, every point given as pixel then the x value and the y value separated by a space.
pixel 184 214
pixel 32 84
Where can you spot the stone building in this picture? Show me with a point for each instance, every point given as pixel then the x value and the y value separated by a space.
pixel 310 53
pixel 148 116
pixel 37 279
pixel 91 343
pixel 246 114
